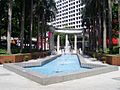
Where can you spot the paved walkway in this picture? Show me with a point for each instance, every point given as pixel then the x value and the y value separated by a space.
pixel 109 81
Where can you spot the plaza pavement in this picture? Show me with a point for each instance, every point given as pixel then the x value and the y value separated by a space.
pixel 109 81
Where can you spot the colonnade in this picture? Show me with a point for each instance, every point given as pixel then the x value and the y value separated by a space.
pixel 66 43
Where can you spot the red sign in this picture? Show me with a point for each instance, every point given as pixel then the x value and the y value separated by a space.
pixel 114 41
pixel 49 34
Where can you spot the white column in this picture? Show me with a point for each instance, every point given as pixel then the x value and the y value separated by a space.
pixel 66 41
pixel 51 42
pixel 75 44
pixel 58 44
pixel 46 44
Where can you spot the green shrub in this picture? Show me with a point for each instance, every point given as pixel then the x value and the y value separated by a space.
pixel 94 55
pixel 15 50
pixel 100 50
pixel 3 51
pixel 107 51
pixel 103 59
pixel 34 50
pixel 115 50
pixel 26 50
pixel 26 58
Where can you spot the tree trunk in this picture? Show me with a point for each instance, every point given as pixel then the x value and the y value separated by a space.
pixel 38 34
pixel 119 23
pixel 83 41
pixel 110 24
pixel 45 40
pixel 45 35
pixel 99 26
pixel 31 25
pixel 0 35
pixel 9 27
pixel 0 27
pixel 41 35
pixel 43 25
pixel 104 29
pixel 99 32
pixel 93 36
pixel 22 27
pixel 89 38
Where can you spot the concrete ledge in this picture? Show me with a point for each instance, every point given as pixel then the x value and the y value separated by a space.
pixel 46 80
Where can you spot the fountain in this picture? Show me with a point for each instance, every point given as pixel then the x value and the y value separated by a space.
pixel 67 47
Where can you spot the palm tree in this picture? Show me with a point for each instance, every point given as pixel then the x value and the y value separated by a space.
pixel 92 11
pixel 22 26
pixel 39 13
pixel 49 16
pixel 95 9
pixel 110 24
pixel 31 25
pixel 9 26
pixel 87 18
pixel 119 22
pixel 38 34
pixel 45 10
pixel 3 15
pixel 104 27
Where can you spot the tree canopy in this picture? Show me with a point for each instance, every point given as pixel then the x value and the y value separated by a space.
pixel 42 11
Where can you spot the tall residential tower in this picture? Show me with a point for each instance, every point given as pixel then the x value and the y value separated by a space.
pixel 69 14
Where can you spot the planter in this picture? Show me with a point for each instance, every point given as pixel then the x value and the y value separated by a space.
pixel 36 55
pixel 6 58
pixel 22 57
pixel 14 58
pixel 113 59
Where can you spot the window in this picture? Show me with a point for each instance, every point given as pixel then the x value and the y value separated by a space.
pixel 77 9
pixel 76 1
pixel 77 6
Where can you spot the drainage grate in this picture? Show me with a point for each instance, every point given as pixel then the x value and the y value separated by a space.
pixel 5 74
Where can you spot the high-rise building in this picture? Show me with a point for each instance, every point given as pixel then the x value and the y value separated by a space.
pixel 69 14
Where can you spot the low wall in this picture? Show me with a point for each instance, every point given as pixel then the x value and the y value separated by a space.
pixel 108 58
pixel 36 55
pixel 15 58
pixel 22 57
pixel 113 59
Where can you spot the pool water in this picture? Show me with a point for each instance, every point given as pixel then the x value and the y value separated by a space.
pixel 61 65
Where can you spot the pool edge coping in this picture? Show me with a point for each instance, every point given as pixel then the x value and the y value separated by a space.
pixel 46 80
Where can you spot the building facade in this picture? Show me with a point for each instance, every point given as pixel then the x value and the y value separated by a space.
pixel 69 14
